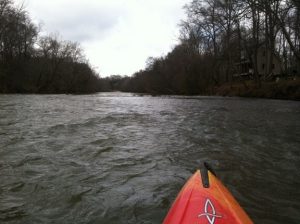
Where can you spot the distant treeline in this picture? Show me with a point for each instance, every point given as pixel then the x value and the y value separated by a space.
pixel 220 42
pixel 218 39
pixel 30 63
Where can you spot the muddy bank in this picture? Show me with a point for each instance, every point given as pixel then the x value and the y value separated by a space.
pixel 282 89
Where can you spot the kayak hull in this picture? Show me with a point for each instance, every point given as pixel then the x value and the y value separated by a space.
pixel 200 204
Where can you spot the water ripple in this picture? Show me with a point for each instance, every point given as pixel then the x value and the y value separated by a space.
pixel 121 158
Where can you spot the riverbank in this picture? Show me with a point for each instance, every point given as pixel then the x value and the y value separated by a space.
pixel 281 89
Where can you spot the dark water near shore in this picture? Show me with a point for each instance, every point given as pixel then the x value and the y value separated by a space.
pixel 119 158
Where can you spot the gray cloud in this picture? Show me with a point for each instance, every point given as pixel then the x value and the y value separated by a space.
pixel 86 25
pixel 117 35
pixel 78 22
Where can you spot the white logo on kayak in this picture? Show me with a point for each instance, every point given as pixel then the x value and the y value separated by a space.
pixel 210 212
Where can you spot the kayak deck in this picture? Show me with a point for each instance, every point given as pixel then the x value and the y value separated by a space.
pixel 200 202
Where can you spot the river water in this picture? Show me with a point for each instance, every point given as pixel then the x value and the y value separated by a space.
pixel 120 158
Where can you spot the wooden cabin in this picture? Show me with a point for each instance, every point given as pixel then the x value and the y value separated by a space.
pixel 269 65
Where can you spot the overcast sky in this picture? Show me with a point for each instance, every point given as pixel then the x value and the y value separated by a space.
pixel 117 35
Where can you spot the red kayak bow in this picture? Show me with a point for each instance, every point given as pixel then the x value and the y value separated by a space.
pixel 205 200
